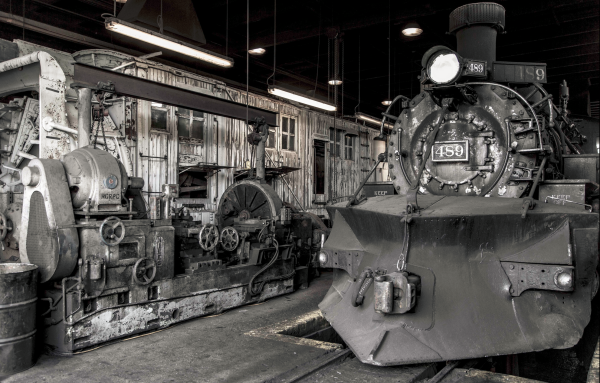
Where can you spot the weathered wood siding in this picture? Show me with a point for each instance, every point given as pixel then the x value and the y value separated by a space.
pixel 225 141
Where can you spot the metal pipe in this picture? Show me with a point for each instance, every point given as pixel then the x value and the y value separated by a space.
pixel 84 116
pixel 537 177
pixel 260 157
pixel 547 97
pixel 26 155
pixel 362 184
pixel 20 61
pixel 48 125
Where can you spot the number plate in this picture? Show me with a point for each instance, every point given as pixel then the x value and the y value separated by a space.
pixel 446 151
pixel 475 68
pixel 522 73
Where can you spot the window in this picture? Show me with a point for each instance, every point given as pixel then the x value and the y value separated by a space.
pixel 335 144
pixel 271 139
pixel 190 123
pixel 158 116
pixel 349 147
pixel 288 133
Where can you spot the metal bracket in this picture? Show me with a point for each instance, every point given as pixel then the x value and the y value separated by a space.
pixel 527 276
pixel 585 205
pixel 347 260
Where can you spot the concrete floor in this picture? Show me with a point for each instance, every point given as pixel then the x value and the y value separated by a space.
pixel 210 349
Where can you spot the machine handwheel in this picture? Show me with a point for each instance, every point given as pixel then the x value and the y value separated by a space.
pixel 112 231
pixel 209 237
pixel 3 227
pixel 229 238
pixel 144 271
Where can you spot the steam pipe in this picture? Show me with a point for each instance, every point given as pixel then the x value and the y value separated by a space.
pixel 84 116
pixel 263 130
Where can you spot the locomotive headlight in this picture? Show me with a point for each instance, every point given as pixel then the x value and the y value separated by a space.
pixel 323 257
pixel 444 67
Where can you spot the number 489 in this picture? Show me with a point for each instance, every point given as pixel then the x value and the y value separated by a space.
pixel 450 151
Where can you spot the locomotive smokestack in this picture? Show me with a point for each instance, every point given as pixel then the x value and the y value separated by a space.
pixel 476 27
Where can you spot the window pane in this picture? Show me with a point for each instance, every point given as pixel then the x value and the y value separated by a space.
pixel 284 141
pixel 197 114
pixel 183 111
pixel 284 124
pixel 183 126
pixel 339 136
pixel 291 142
pixel 292 126
pixel 158 119
pixel 331 149
pixel 271 139
pixel 197 129
pixel 331 134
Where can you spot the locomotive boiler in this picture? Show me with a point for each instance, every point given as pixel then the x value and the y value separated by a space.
pixel 491 245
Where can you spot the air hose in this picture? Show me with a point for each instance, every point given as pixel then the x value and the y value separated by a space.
pixel 262 284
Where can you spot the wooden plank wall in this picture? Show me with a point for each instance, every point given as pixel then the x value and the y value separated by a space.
pixel 225 142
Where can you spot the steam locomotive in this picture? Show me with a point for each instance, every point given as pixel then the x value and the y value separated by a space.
pixel 439 271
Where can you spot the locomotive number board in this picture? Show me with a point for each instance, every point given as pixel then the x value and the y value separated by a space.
pixel 450 151
pixel 515 72
pixel 475 68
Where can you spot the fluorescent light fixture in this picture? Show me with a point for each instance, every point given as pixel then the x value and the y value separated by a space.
pixel 257 51
pixel 156 104
pixel 166 42
pixel 387 102
pixel 276 90
pixel 335 81
pixel 372 120
pixel 412 29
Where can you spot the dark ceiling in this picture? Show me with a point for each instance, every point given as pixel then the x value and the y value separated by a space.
pixel 561 33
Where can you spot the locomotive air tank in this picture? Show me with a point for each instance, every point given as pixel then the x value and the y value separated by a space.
pixel 439 271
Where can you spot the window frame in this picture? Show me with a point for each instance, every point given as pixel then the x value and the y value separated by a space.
pixel 350 147
pixel 337 143
pixel 287 134
pixel 162 108
pixel 191 118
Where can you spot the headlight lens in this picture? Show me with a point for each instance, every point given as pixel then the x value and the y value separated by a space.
pixel 323 257
pixel 444 67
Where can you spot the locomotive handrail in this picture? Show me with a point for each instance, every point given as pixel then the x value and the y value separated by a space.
pixel 387 111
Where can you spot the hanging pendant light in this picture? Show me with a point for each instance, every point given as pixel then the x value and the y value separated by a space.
pixel 412 29
pixel 388 100
pixel 336 79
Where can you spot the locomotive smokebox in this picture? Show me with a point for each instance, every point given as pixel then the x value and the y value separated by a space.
pixel 476 27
